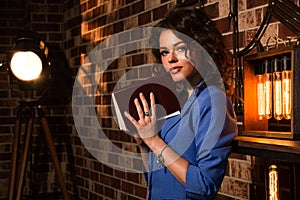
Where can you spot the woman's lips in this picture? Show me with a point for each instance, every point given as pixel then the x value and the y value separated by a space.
pixel 175 70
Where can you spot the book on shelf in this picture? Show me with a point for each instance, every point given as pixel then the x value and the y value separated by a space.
pixel 166 99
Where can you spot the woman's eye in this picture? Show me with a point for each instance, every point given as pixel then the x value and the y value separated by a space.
pixel 163 53
pixel 181 49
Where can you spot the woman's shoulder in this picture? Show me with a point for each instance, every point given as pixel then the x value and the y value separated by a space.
pixel 211 91
pixel 213 94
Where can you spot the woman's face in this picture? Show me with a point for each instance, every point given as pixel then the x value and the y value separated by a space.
pixel 174 52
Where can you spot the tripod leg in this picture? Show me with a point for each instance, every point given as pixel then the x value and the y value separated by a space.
pixel 13 168
pixel 24 156
pixel 53 153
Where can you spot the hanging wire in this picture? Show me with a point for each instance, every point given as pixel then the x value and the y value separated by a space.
pixel 238 76
pixel 285 12
pixel 256 40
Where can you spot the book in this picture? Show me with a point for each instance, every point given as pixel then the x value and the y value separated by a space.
pixel 166 99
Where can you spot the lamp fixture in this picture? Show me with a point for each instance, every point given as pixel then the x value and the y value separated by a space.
pixel 28 62
pixel 29 67
pixel 274 82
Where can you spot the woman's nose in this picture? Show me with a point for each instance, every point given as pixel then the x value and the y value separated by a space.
pixel 172 57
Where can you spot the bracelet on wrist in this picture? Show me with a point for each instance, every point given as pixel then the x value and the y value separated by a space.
pixel 160 159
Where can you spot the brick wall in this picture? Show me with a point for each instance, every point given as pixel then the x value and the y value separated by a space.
pixel 46 18
pixel 12 19
pixel 77 28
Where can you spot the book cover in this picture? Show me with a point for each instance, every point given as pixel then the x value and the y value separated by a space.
pixel 166 99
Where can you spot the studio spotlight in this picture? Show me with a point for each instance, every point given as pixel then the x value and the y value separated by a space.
pixel 28 63
pixel 29 67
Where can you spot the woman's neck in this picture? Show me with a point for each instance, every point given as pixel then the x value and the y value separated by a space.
pixel 189 85
pixel 192 82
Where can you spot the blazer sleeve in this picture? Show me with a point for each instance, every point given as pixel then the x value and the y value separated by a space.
pixel 213 137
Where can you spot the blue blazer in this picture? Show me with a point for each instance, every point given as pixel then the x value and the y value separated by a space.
pixel 202 134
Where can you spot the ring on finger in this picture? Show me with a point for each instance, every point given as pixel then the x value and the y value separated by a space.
pixel 147 113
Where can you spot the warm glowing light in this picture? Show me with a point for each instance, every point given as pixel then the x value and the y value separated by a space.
pixel 277 95
pixel 26 65
pixel 261 97
pixel 286 93
pixel 268 95
pixel 277 88
pixel 273 183
pixel 286 87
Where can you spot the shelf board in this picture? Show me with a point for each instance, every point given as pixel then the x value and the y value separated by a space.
pixel 278 149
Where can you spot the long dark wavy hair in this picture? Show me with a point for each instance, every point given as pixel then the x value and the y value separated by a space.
pixel 194 23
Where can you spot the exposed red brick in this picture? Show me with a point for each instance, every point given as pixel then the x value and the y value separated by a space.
pixel 94 179
pixel 159 12
pixel 125 12
pixel 39 17
pixel 138 60
pixel 99 188
pixel 223 25
pixel 118 27
pixel 108 192
pixel 140 191
pixel 138 7
pixel 46 27
pixel 56 36
pixel 92 4
pixel 144 18
pixel 55 18
pixel 285 32
pixel 256 3
pixel 212 10
pixel 127 187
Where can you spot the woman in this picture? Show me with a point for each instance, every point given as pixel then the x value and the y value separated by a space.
pixel 187 157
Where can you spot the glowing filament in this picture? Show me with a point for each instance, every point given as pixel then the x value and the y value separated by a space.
pixel 261 97
pixel 268 95
pixel 286 93
pixel 277 96
pixel 273 183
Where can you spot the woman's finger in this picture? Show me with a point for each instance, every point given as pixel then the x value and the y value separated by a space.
pixel 153 105
pixel 145 104
pixel 130 118
pixel 139 108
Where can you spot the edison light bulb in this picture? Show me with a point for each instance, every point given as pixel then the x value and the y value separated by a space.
pixel 286 87
pixel 273 183
pixel 261 97
pixel 277 89
pixel 278 115
pixel 268 89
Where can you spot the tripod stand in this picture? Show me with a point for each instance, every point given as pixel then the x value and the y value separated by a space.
pixel 17 176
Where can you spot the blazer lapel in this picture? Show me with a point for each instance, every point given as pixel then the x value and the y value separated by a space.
pixel 176 119
pixel 185 108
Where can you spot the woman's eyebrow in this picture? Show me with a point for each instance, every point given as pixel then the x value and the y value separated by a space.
pixel 176 44
pixel 163 48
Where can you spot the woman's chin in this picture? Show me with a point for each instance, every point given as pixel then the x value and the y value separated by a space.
pixel 177 77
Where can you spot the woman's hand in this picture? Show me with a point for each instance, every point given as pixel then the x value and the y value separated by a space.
pixel 147 138
pixel 146 125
